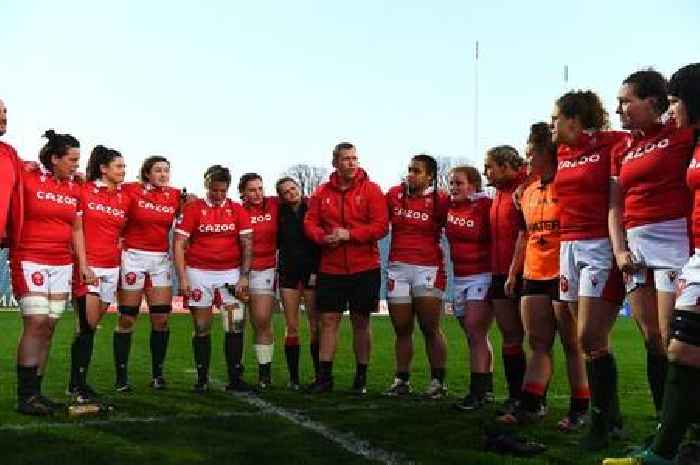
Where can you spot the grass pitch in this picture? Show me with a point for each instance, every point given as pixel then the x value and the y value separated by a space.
pixel 279 426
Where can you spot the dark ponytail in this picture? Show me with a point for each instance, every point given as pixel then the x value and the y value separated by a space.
pixel 58 145
pixel 100 156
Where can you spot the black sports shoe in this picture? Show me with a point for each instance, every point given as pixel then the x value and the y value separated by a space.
pixel 122 386
pixel 34 405
pixel 238 385
pixel 359 386
pixel 52 404
pixel 320 387
pixel 508 443
pixel 293 386
pixel 399 388
pixel 158 383
pixel 264 383
pixel 471 403
pixel 84 394
pixel 508 406
pixel 200 387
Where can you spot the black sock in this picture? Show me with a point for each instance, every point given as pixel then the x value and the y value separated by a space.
pixel 233 350
pixel 601 378
pixel 159 347
pixel 265 372
pixel 201 346
pixel 361 371
pixel 578 405
pixel 679 409
pixel 291 354
pixel 530 401
pixel 325 371
pixel 479 384
pixel 657 365
pixel 615 412
pixel 27 382
pixel 438 374
pixel 514 365
pixel 314 349
pixel 75 363
pixel 403 376
pixel 122 346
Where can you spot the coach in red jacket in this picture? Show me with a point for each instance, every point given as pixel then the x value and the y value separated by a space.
pixel 347 216
pixel 10 187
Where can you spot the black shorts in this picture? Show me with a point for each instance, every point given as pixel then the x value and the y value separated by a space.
pixel 298 279
pixel 548 287
pixel 497 290
pixel 358 292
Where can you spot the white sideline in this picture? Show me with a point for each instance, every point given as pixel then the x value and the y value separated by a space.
pixel 80 423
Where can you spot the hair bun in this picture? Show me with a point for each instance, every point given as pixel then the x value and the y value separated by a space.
pixel 50 134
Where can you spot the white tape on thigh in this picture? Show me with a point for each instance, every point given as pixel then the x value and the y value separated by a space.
pixel 264 352
pixel 233 317
pixel 56 308
pixel 34 305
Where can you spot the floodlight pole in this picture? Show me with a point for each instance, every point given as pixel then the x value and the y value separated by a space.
pixel 476 100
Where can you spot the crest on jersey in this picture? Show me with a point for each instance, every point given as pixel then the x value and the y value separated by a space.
pixel 196 295
pixel 328 200
pixel 130 278
pixel 228 211
pixel 38 278
pixel 563 283
pixel 204 213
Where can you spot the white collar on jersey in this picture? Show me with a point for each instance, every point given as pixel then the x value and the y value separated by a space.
pixel 212 204
pixel 100 183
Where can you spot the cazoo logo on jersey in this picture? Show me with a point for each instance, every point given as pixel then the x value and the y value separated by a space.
pixel 261 218
pixel 639 152
pixel 584 160
pixel 459 221
pixel 411 214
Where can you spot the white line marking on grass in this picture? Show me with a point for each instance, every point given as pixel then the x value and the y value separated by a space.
pixel 85 423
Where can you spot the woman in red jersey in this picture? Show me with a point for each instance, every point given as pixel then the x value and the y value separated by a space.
pixel 298 270
pixel 680 406
pixel 467 229
pixel 146 266
pixel 42 263
pixel 263 216
pixel 650 239
pixel 104 207
pixel 542 310
pixel 213 247
pixel 588 280
pixel 416 276
pixel 504 169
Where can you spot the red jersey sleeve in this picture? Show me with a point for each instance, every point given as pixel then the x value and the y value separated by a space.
pixel 378 224
pixel 245 226
pixel 188 220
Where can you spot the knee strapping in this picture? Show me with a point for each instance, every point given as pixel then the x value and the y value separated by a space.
pixel 160 309
pixel 129 310
pixel 34 305
pixel 233 318
pixel 56 308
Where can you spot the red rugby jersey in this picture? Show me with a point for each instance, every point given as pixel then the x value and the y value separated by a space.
pixel 11 198
pixel 652 175
pixel 506 223
pixel 693 180
pixel 104 217
pixel 264 220
pixel 468 231
pixel 416 225
pixel 213 232
pixel 51 207
pixel 150 216
pixel 582 184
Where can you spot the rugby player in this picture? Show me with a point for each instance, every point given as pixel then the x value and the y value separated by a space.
pixel 542 311
pixel 347 216
pixel 212 250
pixel 648 184
pixel 680 407
pixel 468 232
pixel 145 267
pixel 104 208
pixel 297 267
pixel 588 282
pixel 416 275
pixel 263 216
pixel 42 263
pixel 11 199
pixel 504 169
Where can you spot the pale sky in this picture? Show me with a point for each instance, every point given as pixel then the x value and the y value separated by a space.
pixel 259 86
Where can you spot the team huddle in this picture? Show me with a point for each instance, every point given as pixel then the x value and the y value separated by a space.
pixel 589 217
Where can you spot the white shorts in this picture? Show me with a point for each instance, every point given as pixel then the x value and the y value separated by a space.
pixel 208 286
pixel 262 282
pixel 688 284
pixel 30 277
pixel 137 265
pixel 406 281
pixel 107 283
pixel 584 268
pixel 472 287
pixel 663 248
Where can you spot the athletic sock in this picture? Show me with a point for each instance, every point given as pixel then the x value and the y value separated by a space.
pixel 615 412
pixel 532 397
pixel 159 347
pixel 404 376
pixel 201 346
pixel 361 371
pixel 479 384
pixel 291 354
pixel 657 366
pixel 233 351
pixel 27 382
pixel 580 400
pixel 81 354
pixel 601 378
pixel 122 346
pixel 314 349
pixel 438 374
pixel 325 371
pixel 678 409
pixel 75 363
pixel 514 365
pixel 265 372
